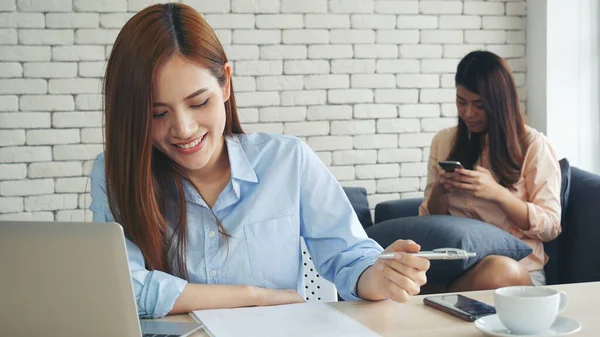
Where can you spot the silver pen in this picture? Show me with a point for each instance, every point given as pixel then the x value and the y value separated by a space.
pixel 436 254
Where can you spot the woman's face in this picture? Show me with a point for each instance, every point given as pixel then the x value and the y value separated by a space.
pixel 188 113
pixel 470 109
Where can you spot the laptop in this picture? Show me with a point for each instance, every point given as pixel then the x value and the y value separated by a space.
pixel 70 279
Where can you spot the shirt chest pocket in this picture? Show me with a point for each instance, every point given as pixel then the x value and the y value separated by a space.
pixel 273 251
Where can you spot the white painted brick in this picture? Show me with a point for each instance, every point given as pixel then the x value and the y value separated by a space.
pixel 441 36
pixel 306 128
pixel 22 20
pixel 10 69
pixel 257 37
pixel 368 185
pixel 417 22
pixel 307 97
pixel 92 69
pixel 24 120
pixel 346 96
pixel 54 169
pixel 393 185
pixel 485 36
pixel 78 215
pixel 35 216
pixel 244 84
pixel 251 68
pixel 306 67
pixel 507 51
pixel 483 8
pixel 413 169
pixel 72 185
pixel 372 51
pixel 411 195
pixel 374 21
pixel 12 137
pixel 114 20
pixel 92 135
pixel 77 119
pixel 449 110
pixel 377 171
pixel 304 6
pixel 375 141
pixel 448 81
pixel 27 187
pixel 89 102
pixel 100 5
pixel 248 115
pixel 373 81
pixel 419 110
pixel 274 83
pixel 329 112
pixel 441 7
pixel 517 64
pixel 8 5
pixel 305 36
pixel 396 96
pixel 25 53
pixel 76 53
pixel 460 50
pixel 288 52
pixel 437 96
pixel 439 66
pixel 417 81
pixel 326 81
pixel 15 171
pixel 241 52
pixel 75 86
pixel 224 36
pixel 356 127
pixel 353 66
pixel 519 79
pixel 255 6
pixel 209 6
pixel 77 152
pixel 343 172
pixel 376 199
pixel 327 21
pixel 426 152
pixel 46 36
pixel 51 202
pixel 282 114
pixel 9 103
pixel 351 6
pixel 87 167
pixel 398 66
pixel 460 22
pixel 53 136
pixel 230 21
pixel 351 157
pixel 397 36
pixel 415 139
pixel 397 7
pixel 50 69
pixel 11 205
pixel 8 36
pixel 398 125
pixel 522 93
pixel 45 5
pixel 96 36
pixel 375 111
pixel 330 143
pixel 22 86
pixel 46 102
pixel 398 155
pixel 503 22
pixel 516 8
pixel 330 51
pixel 325 157
pixel 515 36
pixel 72 20
pixel 338 36
pixel 264 127
pixel 257 99
pixel 437 124
pixel 84 200
pixel 269 21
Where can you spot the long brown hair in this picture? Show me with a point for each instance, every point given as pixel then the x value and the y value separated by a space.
pixel 487 75
pixel 144 186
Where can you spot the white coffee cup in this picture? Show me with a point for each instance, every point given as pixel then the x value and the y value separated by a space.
pixel 529 310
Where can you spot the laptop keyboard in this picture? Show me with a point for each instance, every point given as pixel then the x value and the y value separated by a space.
pixel 158 335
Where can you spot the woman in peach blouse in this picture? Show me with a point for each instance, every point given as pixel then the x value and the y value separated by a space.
pixel 511 176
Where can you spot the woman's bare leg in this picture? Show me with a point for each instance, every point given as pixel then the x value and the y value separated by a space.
pixel 492 272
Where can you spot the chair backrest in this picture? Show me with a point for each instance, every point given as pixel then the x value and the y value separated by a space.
pixel 316 288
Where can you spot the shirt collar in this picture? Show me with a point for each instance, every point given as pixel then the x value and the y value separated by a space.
pixel 241 169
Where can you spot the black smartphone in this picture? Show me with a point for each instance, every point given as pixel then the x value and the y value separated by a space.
pixel 460 306
pixel 449 165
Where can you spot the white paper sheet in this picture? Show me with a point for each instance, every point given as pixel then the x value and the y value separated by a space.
pixel 290 320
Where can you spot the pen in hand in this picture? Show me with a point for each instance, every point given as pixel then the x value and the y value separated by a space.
pixel 450 254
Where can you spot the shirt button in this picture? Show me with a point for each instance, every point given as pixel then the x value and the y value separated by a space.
pixel 213 273
pixel 211 234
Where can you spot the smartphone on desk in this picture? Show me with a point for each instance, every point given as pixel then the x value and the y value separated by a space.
pixel 450 165
pixel 460 306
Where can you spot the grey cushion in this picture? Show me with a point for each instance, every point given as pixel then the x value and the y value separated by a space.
pixel 360 204
pixel 445 231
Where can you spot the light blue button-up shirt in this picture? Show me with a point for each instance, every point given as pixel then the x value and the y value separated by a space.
pixel 279 191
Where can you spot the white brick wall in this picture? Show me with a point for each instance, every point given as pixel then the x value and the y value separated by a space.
pixel 366 83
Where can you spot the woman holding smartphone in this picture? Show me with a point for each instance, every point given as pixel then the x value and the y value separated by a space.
pixel 510 176
pixel 214 217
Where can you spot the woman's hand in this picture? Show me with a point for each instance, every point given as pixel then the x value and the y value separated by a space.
pixel 445 179
pixel 479 183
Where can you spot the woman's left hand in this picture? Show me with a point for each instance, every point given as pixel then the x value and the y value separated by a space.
pixel 479 183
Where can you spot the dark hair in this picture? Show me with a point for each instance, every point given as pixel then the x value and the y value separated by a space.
pixel 487 75
pixel 143 185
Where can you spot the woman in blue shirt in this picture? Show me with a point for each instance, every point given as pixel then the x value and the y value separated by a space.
pixel 213 217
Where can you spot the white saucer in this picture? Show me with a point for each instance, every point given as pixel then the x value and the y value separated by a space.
pixel 492 326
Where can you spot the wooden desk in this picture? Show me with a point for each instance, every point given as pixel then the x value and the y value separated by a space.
pixel 389 318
